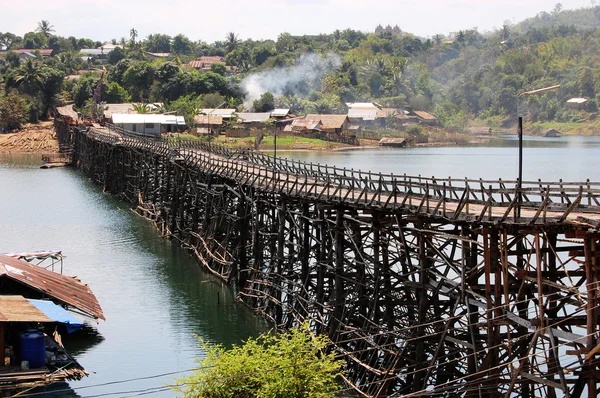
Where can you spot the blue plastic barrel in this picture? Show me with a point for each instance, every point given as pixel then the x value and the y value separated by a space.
pixel 33 348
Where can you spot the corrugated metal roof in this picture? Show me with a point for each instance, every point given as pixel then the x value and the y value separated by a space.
pixel 93 51
pixel 45 52
pixel 212 59
pixel 133 118
pixel 280 112
pixel 363 113
pixel 388 141
pixel 425 115
pixel 577 100
pixel 213 120
pixel 63 288
pixel 19 309
pixel 158 55
pixel 304 124
pixel 224 113
pixel 109 109
pixel 67 110
pixel 385 112
pixel 254 117
pixel 329 121
pixel 363 105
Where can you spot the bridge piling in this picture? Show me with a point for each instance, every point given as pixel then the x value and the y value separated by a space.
pixel 422 285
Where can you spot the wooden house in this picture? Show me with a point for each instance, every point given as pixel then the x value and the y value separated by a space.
pixel 331 123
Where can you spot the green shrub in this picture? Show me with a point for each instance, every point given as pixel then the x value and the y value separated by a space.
pixel 290 365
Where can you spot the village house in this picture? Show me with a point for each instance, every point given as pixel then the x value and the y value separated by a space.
pixel 362 113
pixel 577 103
pixel 44 52
pixel 204 63
pixel 155 56
pixel 226 114
pixel 280 114
pixel 303 126
pixel 331 123
pixel 421 117
pixel 208 124
pixel 148 123
pixel 258 120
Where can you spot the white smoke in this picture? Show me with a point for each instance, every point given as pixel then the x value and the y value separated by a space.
pixel 298 79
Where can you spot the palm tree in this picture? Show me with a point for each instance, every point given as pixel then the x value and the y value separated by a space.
pixel 133 34
pixel 231 41
pixel 69 62
pixel 45 27
pixel 30 78
pixel 141 108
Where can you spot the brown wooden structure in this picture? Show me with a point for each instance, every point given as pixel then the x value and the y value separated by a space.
pixel 442 287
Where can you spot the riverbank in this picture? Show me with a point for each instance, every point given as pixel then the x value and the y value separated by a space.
pixel 32 138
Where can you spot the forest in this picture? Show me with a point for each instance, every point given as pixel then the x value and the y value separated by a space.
pixel 463 78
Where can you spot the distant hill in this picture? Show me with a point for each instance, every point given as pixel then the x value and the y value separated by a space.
pixel 582 18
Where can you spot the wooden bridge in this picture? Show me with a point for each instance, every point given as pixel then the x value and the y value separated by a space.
pixel 425 286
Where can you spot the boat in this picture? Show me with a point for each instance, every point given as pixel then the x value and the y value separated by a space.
pixel 37 307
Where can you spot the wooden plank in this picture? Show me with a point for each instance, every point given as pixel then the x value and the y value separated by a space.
pixel 540 380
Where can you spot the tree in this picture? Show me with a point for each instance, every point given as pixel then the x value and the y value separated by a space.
pixel 218 68
pixel 141 108
pixel 115 94
pixel 6 40
pixel 116 55
pixel 292 365
pixel 231 41
pixel 212 101
pixel 181 45
pixel 586 83
pixel 133 34
pixel 12 58
pixel 30 77
pixel 265 103
pixel 45 27
pixel 158 43
pixel 33 40
pixel 13 111
pixel 138 78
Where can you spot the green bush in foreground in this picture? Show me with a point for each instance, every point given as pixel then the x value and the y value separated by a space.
pixel 291 365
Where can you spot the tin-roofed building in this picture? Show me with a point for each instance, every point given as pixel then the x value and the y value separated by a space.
pixel 148 123
pixel 331 123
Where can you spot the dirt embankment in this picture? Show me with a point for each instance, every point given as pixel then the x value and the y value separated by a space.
pixel 32 138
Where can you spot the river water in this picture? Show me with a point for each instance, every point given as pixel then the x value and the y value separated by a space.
pixel 155 297
pixel 571 158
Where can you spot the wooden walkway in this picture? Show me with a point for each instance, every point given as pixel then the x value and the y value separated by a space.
pixel 488 201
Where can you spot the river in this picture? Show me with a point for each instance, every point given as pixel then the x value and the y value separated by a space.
pixel 155 296
pixel 571 158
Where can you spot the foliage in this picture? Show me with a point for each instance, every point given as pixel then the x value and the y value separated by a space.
pixel 13 111
pixel 115 94
pixel 291 365
pixel 265 103
pixel 466 75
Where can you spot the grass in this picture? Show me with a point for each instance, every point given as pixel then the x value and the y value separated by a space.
pixel 283 142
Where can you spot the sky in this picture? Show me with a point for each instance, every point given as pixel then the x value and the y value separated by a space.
pixel 102 20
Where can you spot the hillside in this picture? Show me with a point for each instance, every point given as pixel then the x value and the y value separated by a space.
pixel 471 76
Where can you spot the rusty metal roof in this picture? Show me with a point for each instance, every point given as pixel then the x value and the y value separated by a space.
pixel 329 121
pixel 19 309
pixel 213 120
pixel 424 115
pixel 65 289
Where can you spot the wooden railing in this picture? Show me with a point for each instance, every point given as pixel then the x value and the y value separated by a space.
pixel 472 199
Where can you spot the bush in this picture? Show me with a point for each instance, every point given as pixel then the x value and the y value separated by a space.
pixel 13 111
pixel 290 365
